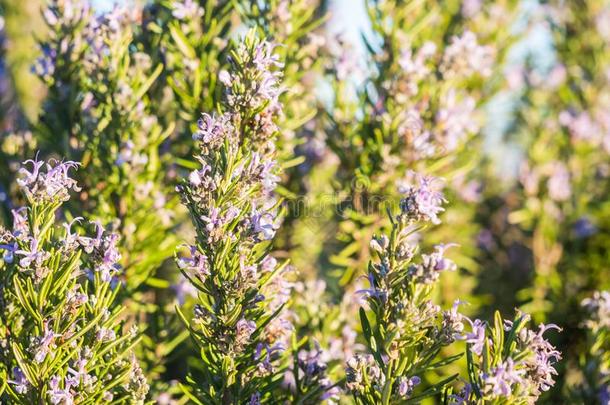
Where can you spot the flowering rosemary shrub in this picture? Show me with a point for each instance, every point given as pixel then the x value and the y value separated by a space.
pixel 62 340
pixel 508 363
pixel 238 323
pixel 404 330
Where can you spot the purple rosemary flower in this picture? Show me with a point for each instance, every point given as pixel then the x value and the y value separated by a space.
pixel 105 335
pixel 462 397
pixel 559 182
pixel 455 119
pixel 423 201
pixel 47 182
pixel 263 225
pixel 373 291
pixel 186 10
pixel 212 131
pixel 428 271
pixel 581 126
pixel 19 380
pixel 360 366
pixel 75 298
pixel 33 256
pixel 539 367
pixel 59 395
pixel 500 380
pixel 406 386
pixel 196 263
pixel 183 289
pixel 243 330
pixel 9 251
pixel 452 326
pixel 470 8
pixel 465 57
pixel 264 58
pixel 309 361
pixel 584 228
pixel 44 344
pixel 255 399
pixel 476 337
pixel 20 222
pixel 79 375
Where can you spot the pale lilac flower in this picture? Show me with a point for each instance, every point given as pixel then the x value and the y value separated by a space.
pixel 183 288
pixel 470 8
pixel 539 368
pixel 455 120
pixel 200 178
pixel 423 201
pixel 75 298
pixel 57 395
pixel 243 330
pixel 268 264
pixel 47 182
pixel 359 366
pixel 71 239
pixel 373 291
pixel 197 263
pixel 212 130
pixel 33 255
pixel 465 57
pixel 428 271
pixel 414 67
pixel 186 10
pixel 406 386
pixel 452 326
pixel 110 257
pixel 264 58
pixel 476 337
pixel 501 379
pixel 263 225
pixel 20 381
pixel 225 78
pixel 20 222
pixel 105 335
pixel 559 183
pixel 79 374
pixel 581 126
pixel 44 344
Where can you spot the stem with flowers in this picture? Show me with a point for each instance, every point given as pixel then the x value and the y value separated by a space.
pixel 239 324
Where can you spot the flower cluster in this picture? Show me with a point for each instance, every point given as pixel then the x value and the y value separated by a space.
pixel 47 181
pixel 423 201
pixel 508 361
pixel 61 334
